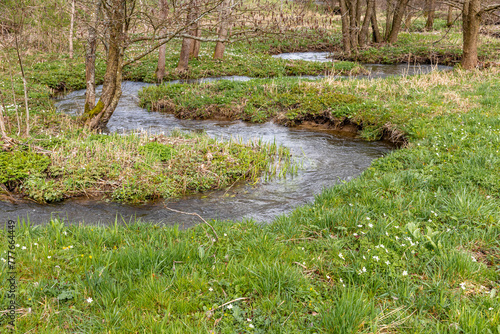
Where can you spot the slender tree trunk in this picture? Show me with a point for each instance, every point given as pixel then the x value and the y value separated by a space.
pixel 358 12
pixel 2 122
pixel 471 23
pixel 15 103
pixel 223 29
pixel 396 22
pixel 365 28
pixel 90 59
pixel 430 10
pixel 182 66
pixel 71 24
pixel 388 19
pixel 377 38
pixel 25 87
pixel 346 36
pixel 409 16
pixel 195 31
pixel 195 50
pixel 187 43
pixel 98 117
pixel 353 24
pixel 160 69
pixel 449 17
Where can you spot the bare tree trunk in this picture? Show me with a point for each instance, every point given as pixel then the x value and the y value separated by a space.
pixel 223 29
pixel 182 66
pixel 71 24
pixel 353 24
pixel 471 23
pixel 160 69
pixel 346 36
pixel 2 122
pixel 396 22
pixel 388 19
pixel 358 12
pixel 363 34
pixel 195 31
pixel 15 103
pixel 90 59
pixel 187 43
pixel 98 117
pixel 195 50
pixel 430 9
pixel 449 17
pixel 409 16
pixel 377 38
pixel 25 88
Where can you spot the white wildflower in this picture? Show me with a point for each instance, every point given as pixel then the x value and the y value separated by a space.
pixel 405 273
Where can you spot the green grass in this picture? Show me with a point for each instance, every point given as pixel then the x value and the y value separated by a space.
pixel 410 246
pixel 284 100
pixel 134 168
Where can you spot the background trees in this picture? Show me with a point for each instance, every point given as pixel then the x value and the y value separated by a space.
pixel 106 29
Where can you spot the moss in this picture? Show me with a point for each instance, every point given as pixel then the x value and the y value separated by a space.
pixel 95 111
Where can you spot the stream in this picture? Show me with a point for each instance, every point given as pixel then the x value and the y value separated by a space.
pixel 325 159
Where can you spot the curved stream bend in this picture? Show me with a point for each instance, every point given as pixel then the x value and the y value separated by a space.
pixel 325 158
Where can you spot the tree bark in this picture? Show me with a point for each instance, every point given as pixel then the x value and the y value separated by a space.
pixel 396 22
pixel 223 29
pixel 430 10
pixel 377 38
pixel 160 69
pixel 187 43
pixel 353 24
pixel 2 123
pixel 90 59
pixel 195 48
pixel 98 117
pixel 71 25
pixel 471 22
pixel 363 34
pixel 388 19
pixel 449 17
pixel 195 31
pixel 25 87
pixel 346 36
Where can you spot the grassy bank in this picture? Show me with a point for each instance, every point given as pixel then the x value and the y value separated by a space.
pixel 410 246
pixel 134 167
pixel 286 101
pixel 61 73
pixel 389 107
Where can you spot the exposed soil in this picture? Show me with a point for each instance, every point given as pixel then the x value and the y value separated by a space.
pixel 322 121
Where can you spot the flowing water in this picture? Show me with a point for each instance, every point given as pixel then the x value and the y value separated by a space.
pixel 324 156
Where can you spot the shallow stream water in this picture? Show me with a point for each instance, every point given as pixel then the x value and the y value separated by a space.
pixel 325 159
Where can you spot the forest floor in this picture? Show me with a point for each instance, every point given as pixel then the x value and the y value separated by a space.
pixel 410 246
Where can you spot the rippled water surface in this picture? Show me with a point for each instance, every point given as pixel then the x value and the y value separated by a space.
pixel 325 159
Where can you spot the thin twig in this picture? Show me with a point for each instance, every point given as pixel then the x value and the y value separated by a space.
pixel 230 302
pixel 446 34
pixel 197 215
